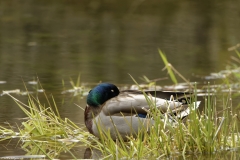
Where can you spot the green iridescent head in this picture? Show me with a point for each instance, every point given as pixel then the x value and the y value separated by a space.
pixel 101 93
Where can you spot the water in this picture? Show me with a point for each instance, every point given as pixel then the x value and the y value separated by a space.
pixel 106 41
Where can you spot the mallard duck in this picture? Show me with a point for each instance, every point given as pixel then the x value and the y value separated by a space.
pixel 125 112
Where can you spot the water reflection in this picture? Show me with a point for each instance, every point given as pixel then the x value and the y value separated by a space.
pixel 109 40
pixel 92 153
pixel 35 149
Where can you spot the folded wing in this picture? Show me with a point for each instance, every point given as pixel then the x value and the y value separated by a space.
pixel 134 103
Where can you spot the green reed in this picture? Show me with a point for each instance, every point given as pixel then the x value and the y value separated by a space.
pixel 212 130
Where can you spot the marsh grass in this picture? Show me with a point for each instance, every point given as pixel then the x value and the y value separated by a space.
pixel 77 88
pixel 213 130
pixel 44 131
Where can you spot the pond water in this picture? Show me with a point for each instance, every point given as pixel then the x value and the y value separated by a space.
pixel 105 41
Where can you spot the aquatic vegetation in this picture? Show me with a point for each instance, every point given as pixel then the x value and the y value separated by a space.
pixel 44 132
pixel 77 88
pixel 211 130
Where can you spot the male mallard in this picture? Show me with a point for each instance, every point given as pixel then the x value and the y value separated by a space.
pixel 126 111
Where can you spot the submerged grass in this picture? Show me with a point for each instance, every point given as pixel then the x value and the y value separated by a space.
pixel 209 131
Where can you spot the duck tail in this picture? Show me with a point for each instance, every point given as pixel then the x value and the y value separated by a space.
pixel 191 107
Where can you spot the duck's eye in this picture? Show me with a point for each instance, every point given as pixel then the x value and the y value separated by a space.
pixel 112 90
pixel 89 91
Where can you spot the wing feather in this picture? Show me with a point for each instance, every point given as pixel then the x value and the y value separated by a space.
pixel 134 103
